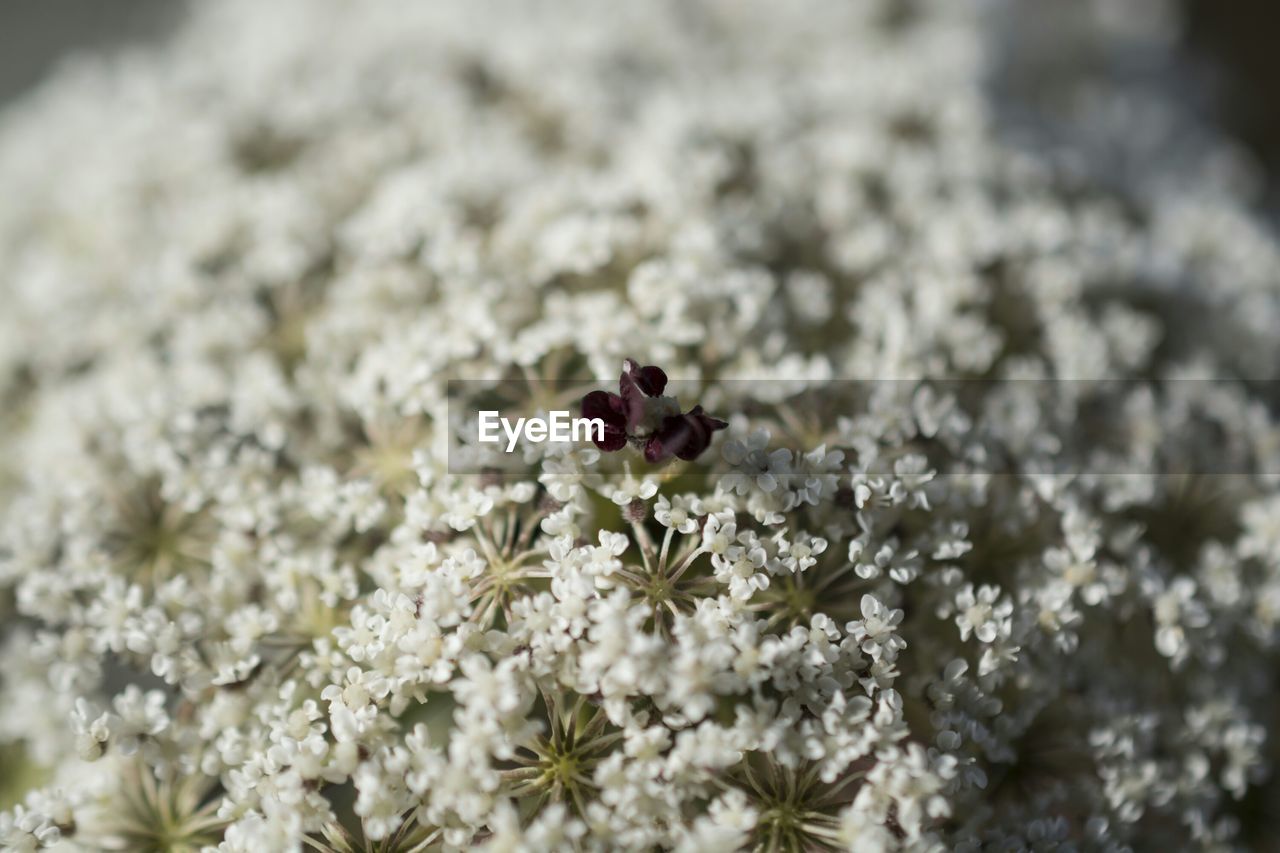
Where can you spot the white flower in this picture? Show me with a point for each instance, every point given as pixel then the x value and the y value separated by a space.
pixel 630 489
pixel 92 729
pixel 982 613
pixel 753 465
pixel 719 533
pixel 1261 520
pixel 463 509
pixel 816 475
pixel 24 831
pixel 740 566
pixel 138 716
pixel 1175 610
pixel 259 594
pixel 565 475
pixel 875 631
pixel 677 512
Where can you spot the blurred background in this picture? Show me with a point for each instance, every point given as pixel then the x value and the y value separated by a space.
pixel 1209 67
pixel 35 35
pixel 1240 37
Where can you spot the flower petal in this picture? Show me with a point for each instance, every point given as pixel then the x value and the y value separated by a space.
pixel 614 439
pixel 650 379
pixel 605 406
pixel 608 408
pixel 654 452
pixel 632 397
pixel 685 436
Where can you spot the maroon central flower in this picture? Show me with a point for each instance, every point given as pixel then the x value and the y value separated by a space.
pixel 641 415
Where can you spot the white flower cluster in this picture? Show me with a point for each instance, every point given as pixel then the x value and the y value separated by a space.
pixel 249 606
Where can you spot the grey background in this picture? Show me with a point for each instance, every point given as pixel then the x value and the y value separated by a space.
pixel 36 34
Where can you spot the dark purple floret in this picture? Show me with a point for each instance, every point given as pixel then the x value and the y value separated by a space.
pixel 649 379
pixel 608 408
pixel 684 436
pixel 637 383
